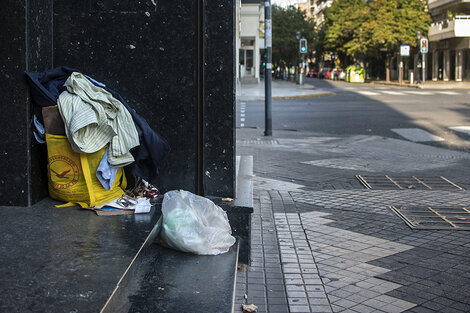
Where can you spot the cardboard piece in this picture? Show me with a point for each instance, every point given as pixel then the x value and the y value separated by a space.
pixel 53 123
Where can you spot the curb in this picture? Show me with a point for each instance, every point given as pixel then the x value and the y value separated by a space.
pixel 323 94
pixel 396 85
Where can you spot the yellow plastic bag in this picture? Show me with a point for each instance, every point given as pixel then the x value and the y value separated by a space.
pixel 72 176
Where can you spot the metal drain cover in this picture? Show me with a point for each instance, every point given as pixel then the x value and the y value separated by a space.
pixel 407 182
pixel 426 217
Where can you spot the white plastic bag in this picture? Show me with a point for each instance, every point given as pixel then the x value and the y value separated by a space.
pixel 191 223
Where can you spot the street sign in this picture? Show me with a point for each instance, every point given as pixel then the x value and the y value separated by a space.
pixel 303 45
pixel 423 45
pixel 405 50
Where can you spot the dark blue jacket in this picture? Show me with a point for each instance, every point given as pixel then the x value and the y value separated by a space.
pixel 45 88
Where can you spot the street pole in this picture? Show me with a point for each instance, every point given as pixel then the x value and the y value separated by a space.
pixel 400 71
pixel 267 74
pixel 302 72
pixel 423 67
pixel 420 60
pixel 418 66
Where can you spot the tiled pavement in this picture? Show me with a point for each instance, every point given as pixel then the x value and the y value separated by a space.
pixel 307 258
pixel 344 251
pixel 378 201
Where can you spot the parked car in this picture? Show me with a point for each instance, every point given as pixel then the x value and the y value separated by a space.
pixel 342 75
pixel 312 73
pixel 338 74
pixel 322 73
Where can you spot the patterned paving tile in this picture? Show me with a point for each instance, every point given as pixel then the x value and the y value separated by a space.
pixel 378 201
pixel 305 290
pixel 351 278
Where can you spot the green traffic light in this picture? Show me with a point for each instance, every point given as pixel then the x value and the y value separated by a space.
pixel 303 49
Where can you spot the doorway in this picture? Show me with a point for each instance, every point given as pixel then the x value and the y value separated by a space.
pixel 452 65
pixel 466 65
pixel 440 65
pixel 246 63
pixel 246 57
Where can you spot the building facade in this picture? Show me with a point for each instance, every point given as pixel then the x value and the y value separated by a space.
pixel 449 37
pixel 249 39
pixel 316 9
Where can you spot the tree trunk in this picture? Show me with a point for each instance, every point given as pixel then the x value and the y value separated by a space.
pixel 387 67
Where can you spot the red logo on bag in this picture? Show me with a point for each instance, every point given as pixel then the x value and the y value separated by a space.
pixel 63 172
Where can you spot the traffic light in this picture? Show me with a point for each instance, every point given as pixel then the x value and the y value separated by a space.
pixel 303 45
pixel 424 45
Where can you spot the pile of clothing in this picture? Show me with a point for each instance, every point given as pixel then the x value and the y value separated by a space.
pixel 89 127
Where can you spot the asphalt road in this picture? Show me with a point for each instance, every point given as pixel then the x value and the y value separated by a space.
pixel 356 109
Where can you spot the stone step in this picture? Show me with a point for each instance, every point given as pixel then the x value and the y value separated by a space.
pixel 165 280
pixel 65 259
pixel 70 260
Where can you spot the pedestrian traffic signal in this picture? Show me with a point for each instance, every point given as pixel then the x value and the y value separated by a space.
pixel 303 45
pixel 424 45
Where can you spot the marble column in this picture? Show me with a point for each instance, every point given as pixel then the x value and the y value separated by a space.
pixel 458 65
pixel 26 38
pixel 173 60
pixel 435 65
pixel 446 66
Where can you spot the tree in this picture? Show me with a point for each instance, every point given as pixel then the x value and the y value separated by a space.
pixel 286 22
pixel 359 28
pixel 395 22
pixel 344 22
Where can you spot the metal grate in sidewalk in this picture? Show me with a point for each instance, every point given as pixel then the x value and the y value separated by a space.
pixel 427 217
pixel 407 182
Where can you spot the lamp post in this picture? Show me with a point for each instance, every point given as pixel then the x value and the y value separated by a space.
pixel 297 68
pixel 268 130
pixel 418 36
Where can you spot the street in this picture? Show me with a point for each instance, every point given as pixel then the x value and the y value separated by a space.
pixel 358 199
pixel 369 109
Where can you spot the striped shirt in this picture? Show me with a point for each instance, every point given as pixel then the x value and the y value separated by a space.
pixel 94 118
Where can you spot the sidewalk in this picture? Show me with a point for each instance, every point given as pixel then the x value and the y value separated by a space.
pixel 321 242
pixel 281 89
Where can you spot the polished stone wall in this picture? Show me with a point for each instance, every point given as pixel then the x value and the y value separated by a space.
pixel 148 53
pixel 219 97
pixel 172 60
pixel 26 37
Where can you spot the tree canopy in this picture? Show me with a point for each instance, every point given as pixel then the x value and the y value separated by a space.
pixel 344 21
pixel 360 28
pixel 285 23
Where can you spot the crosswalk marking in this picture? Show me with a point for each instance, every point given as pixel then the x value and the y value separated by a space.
pixel 416 134
pixel 394 93
pixel 376 92
pixel 461 129
pixel 367 93
pixel 451 93
pixel 242 114
pixel 419 92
